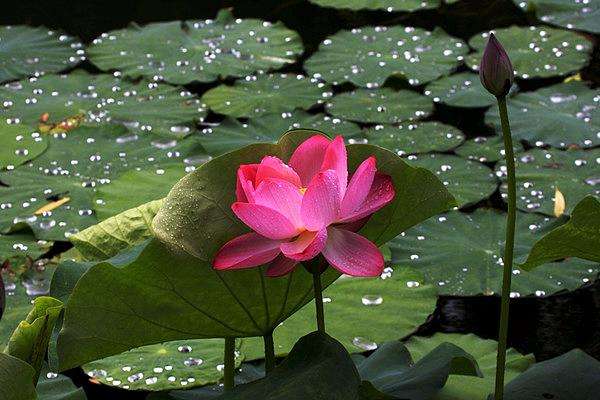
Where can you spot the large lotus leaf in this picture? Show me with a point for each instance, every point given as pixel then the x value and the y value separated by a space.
pixel 380 105
pixel 464 387
pixel 476 243
pixel 387 5
pixel 485 149
pixel 536 51
pixel 265 93
pixel 231 134
pixel 18 247
pixel 573 376
pixel 419 137
pixel 468 181
pixel 115 234
pixel 19 144
pixel 183 52
pixel 171 365
pixel 390 370
pixel 53 386
pixel 579 237
pixel 540 173
pixel 92 99
pixel 27 191
pixel 580 15
pixel 460 90
pixel 197 218
pixel 17 306
pixel 368 56
pixel 26 51
pixel 561 115
pixel 16 379
pixel 318 367
pixel 360 313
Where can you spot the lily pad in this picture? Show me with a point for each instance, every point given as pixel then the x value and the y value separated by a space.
pixel 184 52
pixel 265 93
pixel 16 248
pixel 369 56
pixel 53 386
pixel 16 379
pixel 540 173
pixel 171 365
pixel 18 304
pixel 57 103
pixel 27 51
pixel 464 387
pixel 418 137
pixel 561 116
pixel 460 90
pixel 579 237
pixel 579 15
pixel 476 243
pixel 19 144
pixel 381 105
pixel 231 134
pixel 537 51
pixel 468 181
pixel 485 149
pixel 387 5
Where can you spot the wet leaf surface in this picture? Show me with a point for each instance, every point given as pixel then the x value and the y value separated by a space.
pixel 460 90
pixel 571 14
pixel 485 149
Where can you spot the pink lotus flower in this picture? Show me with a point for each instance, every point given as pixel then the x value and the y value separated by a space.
pixel 305 208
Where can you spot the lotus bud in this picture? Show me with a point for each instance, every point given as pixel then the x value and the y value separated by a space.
pixel 496 71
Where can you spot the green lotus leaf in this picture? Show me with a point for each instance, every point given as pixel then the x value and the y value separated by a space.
pixel 579 237
pixel 390 371
pixel 387 5
pixel 81 98
pixel 53 386
pixel 184 52
pixel 573 376
pixel 368 56
pixel 16 379
pixel 17 248
pixel 460 90
pixel 261 94
pixel 360 313
pixel 231 134
pixel 26 51
pixel 536 51
pixel 19 145
pixel 579 15
pixel 16 308
pixel 540 173
pixel 561 116
pixel 485 149
pixel 476 243
pixel 465 387
pixel 468 181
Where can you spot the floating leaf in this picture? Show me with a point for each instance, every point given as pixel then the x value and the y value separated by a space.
pixel 265 93
pixel 572 376
pixel 184 52
pixel 463 387
pixel 19 145
pixel 536 51
pixel 476 243
pixel 381 105
pixel 460 90
pixel 539 172
pixel 231 134
pixel 18 305
pixel 171 365
pixel 16 379
pixel 17 247
pixel 368 56
pixel 485 149
pixel 468 181
pixel 26 51
pixel 579 237
pixel 387 5
pixel 416 137
pixel 53 386
pixel 561 115
pixel 580 15
pixel 58 103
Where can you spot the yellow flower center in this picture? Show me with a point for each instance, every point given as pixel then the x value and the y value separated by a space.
pixel 302 190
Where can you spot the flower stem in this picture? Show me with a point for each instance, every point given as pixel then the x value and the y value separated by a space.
pixel 318 300
pixel 229 363
pixel 508 249
pixel 269 352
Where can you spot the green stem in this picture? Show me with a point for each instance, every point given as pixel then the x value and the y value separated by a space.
pixel 508 249
pixel 229 363
pixel 269 352
pixel 319 301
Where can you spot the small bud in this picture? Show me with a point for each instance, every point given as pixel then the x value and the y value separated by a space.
pixel 496 71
